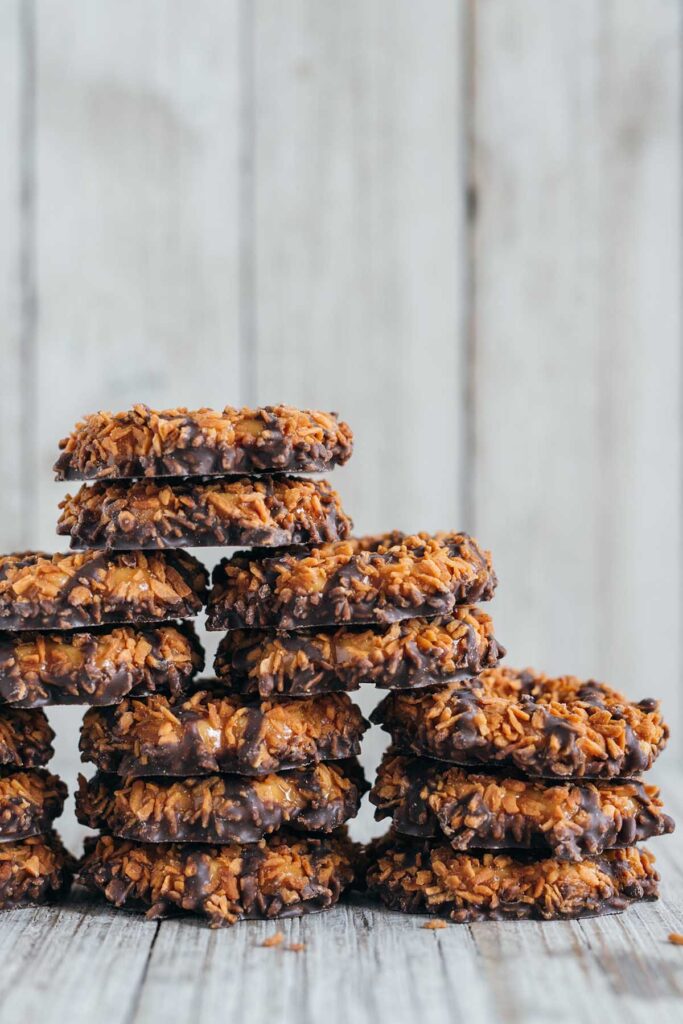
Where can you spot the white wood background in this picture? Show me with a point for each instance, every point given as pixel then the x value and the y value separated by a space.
pixel 459 224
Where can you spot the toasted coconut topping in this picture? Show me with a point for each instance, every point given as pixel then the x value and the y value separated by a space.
pixel 561 727
pixel 278 877
pixel 373 579
pixel 493 810
pixel 181 442
pixel 210 732
pixel 39 591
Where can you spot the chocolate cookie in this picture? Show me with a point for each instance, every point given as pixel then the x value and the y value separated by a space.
pixel 39 591
pixel 278 877
pixel 374 579
pixel 221 808
pixel 142 442
pixel 210 732
pixel 98 666
pixel 560 727
pixel 34 870
pixel 29 802
pixel 431 878
pixel 494 810
pixel 270 510
pixel 406 655
pixel 25 738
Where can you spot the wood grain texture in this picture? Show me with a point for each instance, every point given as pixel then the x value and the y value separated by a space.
pixel 13 114
pixel 576 385
pixel 360 963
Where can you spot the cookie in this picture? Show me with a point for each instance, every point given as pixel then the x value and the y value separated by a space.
pixel 29 803
pixel 34 870
pixel 25 738
pixel 282 876
pixel 494 810
pixel 406 655
pixel 544 727
pixel 210 732
pixel 431 878
pixel 194 513
pixel 221 808
pixel 62 591
pixel 375 579
pixel 143 442
pixel 98 666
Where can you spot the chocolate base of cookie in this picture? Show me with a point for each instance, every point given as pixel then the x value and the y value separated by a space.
pixel 280 877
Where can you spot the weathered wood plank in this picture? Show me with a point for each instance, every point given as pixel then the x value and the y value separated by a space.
pixel 360 963
pixel 577 249
pixel 14 101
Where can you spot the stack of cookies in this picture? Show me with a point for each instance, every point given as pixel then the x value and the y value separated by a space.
pixel 212 800
pixel 394 610
pixel 517 796
pixel 58 647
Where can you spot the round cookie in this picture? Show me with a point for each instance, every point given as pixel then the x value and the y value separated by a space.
pixel 493 810
pixel 374 579
pixel 194 513
pixel 554 728
pixel 211 732
pixel 98 666
pixel 34 870
pixel 431 878
pixel 29 803
pixel 406 655
pixel 64 591
pixel 144 442
pixel 278 877
pixel 221 808
pixel 25 738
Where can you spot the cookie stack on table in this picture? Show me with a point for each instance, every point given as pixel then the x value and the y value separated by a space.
pixel 210 800
pixel 395 610
pixel 517 796
pixel 57 647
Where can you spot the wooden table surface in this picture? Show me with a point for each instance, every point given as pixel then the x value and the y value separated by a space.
pixel 86 963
